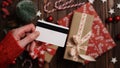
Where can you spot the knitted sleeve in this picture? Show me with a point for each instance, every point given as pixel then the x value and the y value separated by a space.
pixel 9 50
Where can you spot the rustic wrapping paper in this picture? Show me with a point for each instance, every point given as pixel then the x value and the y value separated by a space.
pixel 85 20
pixel 48 57
pixel 100 41
pixel 43 52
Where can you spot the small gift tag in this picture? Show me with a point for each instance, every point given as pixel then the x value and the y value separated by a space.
pixel 52 33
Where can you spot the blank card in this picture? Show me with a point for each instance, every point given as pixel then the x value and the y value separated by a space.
pixel 52 33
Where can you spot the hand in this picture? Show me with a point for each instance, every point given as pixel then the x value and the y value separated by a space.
pixel 25 35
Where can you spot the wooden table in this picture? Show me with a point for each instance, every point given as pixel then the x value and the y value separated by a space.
pixel 104 61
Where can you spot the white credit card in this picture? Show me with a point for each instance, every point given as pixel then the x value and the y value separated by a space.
pixel 52 33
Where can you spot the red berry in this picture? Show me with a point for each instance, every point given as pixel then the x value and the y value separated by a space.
pixel 110 19
pixel 117 18
pixel 50 19
pixel 10 1
pixel 13 62
pixel 6 12
pixel 5 3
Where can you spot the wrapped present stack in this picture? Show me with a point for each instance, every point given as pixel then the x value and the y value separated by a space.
pixel 88 38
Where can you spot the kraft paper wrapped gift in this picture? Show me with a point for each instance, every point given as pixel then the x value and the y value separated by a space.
pixel 43 52
pixel 80 33
pixel 47 48
pixel 99 42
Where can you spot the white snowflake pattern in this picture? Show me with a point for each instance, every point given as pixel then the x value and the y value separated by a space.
pixel 42 52
pixel 111 11
pixel 41 60
pixel 38 13
pixel 118 6
pixel 49 50
pixel 114 60
pixel 32 53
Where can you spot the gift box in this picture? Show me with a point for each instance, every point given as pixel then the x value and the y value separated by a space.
pixel 43 52
pixel 99 42
pixel 79 34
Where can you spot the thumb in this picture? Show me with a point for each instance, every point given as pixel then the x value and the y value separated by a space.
pixel 29 38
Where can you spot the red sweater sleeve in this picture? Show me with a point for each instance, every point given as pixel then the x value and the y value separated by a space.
pixel 9 50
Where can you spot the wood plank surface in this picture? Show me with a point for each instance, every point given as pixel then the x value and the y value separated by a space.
pixel 58 62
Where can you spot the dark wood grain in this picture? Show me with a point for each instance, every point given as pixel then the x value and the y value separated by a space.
pixel 58 62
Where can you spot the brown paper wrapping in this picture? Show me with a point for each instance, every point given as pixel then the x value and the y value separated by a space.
pixel 74 30
pixel 49 57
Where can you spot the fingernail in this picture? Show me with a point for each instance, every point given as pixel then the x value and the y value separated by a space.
pixel 38 32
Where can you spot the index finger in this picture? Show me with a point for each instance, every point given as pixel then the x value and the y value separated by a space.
pixel 27 28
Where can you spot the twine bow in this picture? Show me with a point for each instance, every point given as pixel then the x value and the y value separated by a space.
pixel 40 53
